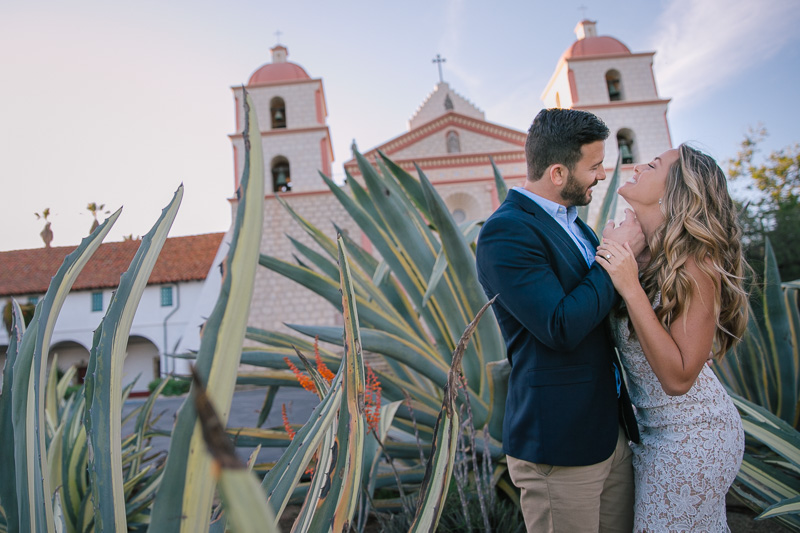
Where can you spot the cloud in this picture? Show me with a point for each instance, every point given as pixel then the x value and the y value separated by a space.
pixel 702 45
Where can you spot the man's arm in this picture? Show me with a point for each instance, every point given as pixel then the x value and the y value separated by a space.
pixel 513 263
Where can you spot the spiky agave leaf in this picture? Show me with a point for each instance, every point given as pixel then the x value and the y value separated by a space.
pixel 787 506
pixel 373 451
pixel 337 502
pixel 73 490
pixel 8 481
pixel 782 343
pixel 499 182
pixel 184 500
pixel 499 372
pixel 143 425
pixel 445 441
pixel 763 483
pixel 35 507
pixel 246 507
pixel 488 343
pixel 104 390
pixel 325 458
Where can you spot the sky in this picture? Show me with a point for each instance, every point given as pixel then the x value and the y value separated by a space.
pixel 119 103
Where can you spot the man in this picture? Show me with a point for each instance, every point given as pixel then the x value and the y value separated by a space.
pixel 568 417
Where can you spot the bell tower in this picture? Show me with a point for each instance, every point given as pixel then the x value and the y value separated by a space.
pixel 601 75
pixel 296 143
pixel 295 138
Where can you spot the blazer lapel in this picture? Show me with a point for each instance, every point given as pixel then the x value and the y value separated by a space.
pixel 558 232
pixel 589 233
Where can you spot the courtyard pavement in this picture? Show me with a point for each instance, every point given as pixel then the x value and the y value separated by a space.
pixel 244 413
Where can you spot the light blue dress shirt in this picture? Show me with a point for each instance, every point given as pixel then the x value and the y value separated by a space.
pixel 567 219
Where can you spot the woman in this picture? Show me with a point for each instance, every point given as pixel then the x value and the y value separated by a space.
pixel 686 305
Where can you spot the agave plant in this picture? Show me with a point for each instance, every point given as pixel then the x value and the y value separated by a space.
pixel 762 373
pixel 765 367
pixel 768 480
pixel 49 481
pixel 336 434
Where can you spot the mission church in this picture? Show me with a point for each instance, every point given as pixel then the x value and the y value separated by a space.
pixel 448 137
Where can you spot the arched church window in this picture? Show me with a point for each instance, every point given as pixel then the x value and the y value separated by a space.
pixel 614 84
pixel 453 143
pixel 625 143
pixel 281 176
pixel 462 206
pixel 277 110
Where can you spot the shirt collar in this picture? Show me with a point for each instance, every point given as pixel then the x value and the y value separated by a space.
pixel 554 209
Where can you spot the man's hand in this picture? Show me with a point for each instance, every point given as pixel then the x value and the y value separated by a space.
pixel 628 231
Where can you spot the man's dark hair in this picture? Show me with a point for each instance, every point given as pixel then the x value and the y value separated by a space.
pixel 556 137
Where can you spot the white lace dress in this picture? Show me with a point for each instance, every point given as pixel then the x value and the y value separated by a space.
pixel 691 446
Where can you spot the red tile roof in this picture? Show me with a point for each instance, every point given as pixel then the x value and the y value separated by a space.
pixel 181 259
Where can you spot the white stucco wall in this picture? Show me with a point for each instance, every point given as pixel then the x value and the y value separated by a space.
pixel 153 328
pixel 636 76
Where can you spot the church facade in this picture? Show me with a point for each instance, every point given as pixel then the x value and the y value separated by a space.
pixel 448 137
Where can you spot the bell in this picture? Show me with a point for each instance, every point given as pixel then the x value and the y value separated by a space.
pixel 279 115
pixel 625 153
pixel 281 176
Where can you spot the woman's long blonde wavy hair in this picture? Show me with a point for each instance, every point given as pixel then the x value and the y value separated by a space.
pixel 700 222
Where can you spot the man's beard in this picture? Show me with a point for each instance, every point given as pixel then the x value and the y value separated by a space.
pixel 574 193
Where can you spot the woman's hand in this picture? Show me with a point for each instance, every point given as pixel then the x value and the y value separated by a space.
pixel 620 263
pixel 628 231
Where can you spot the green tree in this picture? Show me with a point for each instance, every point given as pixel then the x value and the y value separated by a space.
pixel 775 211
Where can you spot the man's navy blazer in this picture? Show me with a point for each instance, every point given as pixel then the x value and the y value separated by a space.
pixel 562 406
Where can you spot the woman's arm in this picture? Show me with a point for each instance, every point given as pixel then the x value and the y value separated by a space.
pixel 676 356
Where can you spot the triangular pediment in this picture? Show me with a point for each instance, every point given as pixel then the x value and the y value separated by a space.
pixel 475 136
pixel 442 100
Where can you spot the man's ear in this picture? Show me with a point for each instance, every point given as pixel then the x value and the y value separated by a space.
pixel 557 174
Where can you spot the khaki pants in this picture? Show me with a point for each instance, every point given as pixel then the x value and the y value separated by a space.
pixel 574 499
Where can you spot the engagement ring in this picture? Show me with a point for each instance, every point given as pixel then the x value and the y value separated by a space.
pixel 608 256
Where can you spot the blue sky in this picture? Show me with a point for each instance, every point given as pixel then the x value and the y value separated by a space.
pixel 120 103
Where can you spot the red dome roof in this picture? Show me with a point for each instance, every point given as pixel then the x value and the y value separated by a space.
pixel 277 72
pixel 595 46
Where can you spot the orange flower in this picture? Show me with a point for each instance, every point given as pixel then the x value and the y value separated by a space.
pixel 286 424
pixel 305 381
pixel 292 433
pixel 323 370
pixel 372 399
